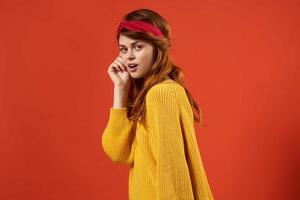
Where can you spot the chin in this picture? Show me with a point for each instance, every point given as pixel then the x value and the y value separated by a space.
pixel 135 76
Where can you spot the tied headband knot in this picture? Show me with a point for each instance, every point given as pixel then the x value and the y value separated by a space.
pixel 139 26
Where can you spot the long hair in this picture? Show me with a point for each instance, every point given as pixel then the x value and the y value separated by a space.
pixel 162 66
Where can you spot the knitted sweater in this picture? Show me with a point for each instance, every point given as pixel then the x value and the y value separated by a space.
pixel 165 163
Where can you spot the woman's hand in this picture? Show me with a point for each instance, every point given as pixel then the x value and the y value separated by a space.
pixel 118 72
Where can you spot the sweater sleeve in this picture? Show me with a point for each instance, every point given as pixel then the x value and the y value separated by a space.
pixel 172 173
pixel 118 138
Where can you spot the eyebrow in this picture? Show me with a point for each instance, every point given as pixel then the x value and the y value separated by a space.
pixel 133 43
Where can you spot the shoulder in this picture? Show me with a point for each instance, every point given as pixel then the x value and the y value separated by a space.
pixel 166 90
pixel 169 97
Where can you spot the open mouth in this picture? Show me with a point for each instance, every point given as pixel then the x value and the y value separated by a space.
pixel 132 67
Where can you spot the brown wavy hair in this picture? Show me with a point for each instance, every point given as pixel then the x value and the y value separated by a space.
pixel 162 67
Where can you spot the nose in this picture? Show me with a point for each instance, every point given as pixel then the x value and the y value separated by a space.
pixel 130 55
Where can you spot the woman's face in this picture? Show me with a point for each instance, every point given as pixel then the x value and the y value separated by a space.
pixel 137 55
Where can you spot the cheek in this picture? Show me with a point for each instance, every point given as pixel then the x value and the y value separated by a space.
pixel 147 57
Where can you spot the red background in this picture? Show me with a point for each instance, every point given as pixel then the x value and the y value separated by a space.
pixel 241 63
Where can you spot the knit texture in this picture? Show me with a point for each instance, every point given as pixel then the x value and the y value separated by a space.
pixel 165 162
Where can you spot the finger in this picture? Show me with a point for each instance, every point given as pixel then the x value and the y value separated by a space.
pixel 121 66
pixel 121 63
pixel 117 66
pixel 114 67
pixel 120 69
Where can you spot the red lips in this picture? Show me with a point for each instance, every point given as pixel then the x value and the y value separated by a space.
pixel 132 65
pixel 133 68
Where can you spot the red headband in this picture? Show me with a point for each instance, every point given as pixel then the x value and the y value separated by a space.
pixel 139 26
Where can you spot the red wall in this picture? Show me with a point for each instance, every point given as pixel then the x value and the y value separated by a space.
pixel 241 63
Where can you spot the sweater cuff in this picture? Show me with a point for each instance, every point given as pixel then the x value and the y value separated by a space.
pixel 118 113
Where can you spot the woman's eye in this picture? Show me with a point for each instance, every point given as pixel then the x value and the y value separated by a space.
pixel 125 50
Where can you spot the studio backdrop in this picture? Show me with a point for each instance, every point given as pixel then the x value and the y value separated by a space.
pixel 241 64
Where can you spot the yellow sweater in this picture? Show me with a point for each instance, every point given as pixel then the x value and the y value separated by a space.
pixel 165 163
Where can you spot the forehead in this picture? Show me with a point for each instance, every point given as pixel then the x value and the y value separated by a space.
pixel 126 41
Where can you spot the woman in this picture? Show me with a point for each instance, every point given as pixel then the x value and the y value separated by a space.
pixel 150 125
